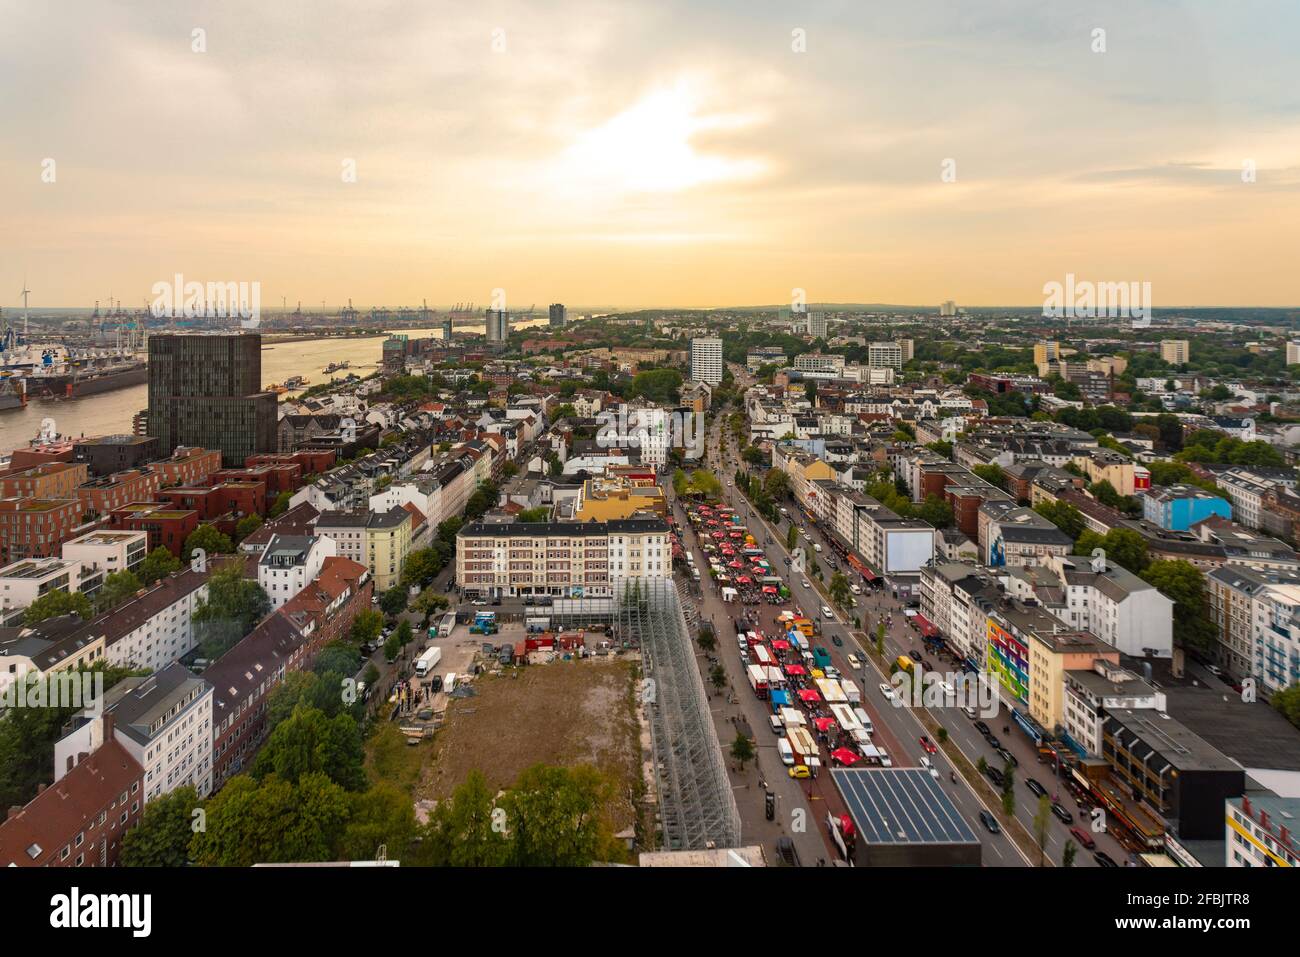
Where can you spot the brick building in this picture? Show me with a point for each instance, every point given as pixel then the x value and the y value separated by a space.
pixel 36 527
pixel 187 466
pixel 167 527
pixel 80 820
pixel 51 480
pixel 101 495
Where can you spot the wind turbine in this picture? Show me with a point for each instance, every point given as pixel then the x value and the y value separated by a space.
pixel 24 294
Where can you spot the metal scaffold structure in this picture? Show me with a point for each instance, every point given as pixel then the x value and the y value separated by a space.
pixel 697 807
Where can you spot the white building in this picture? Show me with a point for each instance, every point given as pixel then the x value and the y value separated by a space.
pixel 815 325
pixel 579 559
pixel 706 360
pixel 164 721
pixel 651 432
pixel 882 355
pixel 289 563
pixel 111 551
pixel 1090 694
pixel 22 582
pixel 155 628
pixel 817 362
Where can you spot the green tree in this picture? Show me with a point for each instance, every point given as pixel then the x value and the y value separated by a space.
pixel 706 640
pixel 791 536
pixel 1042 826
pixel 421 567
pixel 210 540
pixel 158 564
pixel 118 587
pixel 247 526
pixel 405 634
pixel 556 818
pixel 54 604
pixel 271 821
pixel 281 504
pixel 307 742
pixel 162 837
pixel 392 647
pixel 839 589
pixel 233 605
pixel 539 514
pixel 462 830
pixel 381 816
pixel 428 604
pixel 1287 702
pixel 1063 515
pixel 366 626
pixel 393 601
pixel 1069 854
pixel 742 749
pixel 718 676
pixel 1183 583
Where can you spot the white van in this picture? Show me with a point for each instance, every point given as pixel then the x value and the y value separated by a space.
pixel 885 761
pixel 863 720
pixel 786 752
pixel 449 683
pixel 777 726
pixel 856 589
pixel 826 612
pixel 817 546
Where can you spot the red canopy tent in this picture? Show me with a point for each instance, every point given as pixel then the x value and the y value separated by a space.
pixel 735 565
pixel 823 724
pixel 769 589
pixel 809 694
pixel 743 580
pixel 780 644
pixel 845 756
pixel 795 670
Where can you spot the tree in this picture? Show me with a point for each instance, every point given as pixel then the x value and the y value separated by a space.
pixel 162 837
pixel 742 749
pixel 1123 546
pixel 706 640
pixel 992 474
pixel 308 742
pixel 428 604
pixel 1183 583
pixel 718 675
pixel 234 604
pixel 1068 855
pixel 54 604
pixel 1042 824
pixel 462 830
pixel 158 564
pixel 210 540
pixel 791 536
pixel 539 514
pixel 405 634
pixel 1287 702
pixel 271 821
pixel 392 647
pixel 1063 515
pixel 556 817
pixel 393 601
pixel 776 484
pixel 421 567
pixel 366 626
pixel 281 504
pixel 936 511
pixel 839 589
pixel 381 816
pixel 118 587
pixel 247 526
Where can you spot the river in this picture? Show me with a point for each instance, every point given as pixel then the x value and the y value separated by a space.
pixel 110 413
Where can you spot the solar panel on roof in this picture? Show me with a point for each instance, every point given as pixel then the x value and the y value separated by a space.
pixel 901 806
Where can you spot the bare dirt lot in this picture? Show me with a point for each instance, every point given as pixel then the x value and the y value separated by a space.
pixel 564 713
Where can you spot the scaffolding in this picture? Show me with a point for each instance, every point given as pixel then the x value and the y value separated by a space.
pixel 697 808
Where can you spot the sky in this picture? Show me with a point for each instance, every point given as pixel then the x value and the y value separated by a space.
pixel 649 154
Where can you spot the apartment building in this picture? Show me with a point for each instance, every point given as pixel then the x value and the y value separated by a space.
pixel 36 527
pixel 380 541
pixel 706 360
pixel 560 559
pixel 23 582
pixel 1232 591
pixel 1051 656
pixel 1092 692
pixel 1176 352
pixel 108 550
pixel 101 495
pixel 80 820
pixel 290 562
pixel 1179 507
pixel 1260 828
pixel 164 721
pixel 883 355
pixel 55 480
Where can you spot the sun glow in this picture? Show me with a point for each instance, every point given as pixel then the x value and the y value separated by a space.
pixel 648 148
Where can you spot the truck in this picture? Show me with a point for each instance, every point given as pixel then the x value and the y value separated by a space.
pixel 822 657
pixel 851 691
pixel 428 661
pixel 447 625
pixel 757 675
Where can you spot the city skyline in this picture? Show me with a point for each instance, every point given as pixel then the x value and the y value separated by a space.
pixel 660 155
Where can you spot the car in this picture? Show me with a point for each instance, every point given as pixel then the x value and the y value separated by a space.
pixel 478 603
pixel 1037 789
pixel 805 583
pixel 885 760
pixel 1008 757
pixel 1214 670
pixel 981 727
pixel 800 771
pixel 915 655
pixel 993 741
pixel 837 641
pixel 925 763
pixel 1104 860
pixel 990 822
pixel 435 685
pixel 1062 815
pixel 970 712
pixel 775 722
pixel 827 613
pixel 995 776
pixel 1083 837
pixel 887 691
pixel 854 662
pixel 928 745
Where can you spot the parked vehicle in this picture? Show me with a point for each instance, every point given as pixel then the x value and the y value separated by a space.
pixel 1037 789
pixel 1064 816
pixel 428 661
pixel 787 753
pixel 990 822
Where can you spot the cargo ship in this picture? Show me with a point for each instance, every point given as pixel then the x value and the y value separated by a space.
pixel 13 392
pixel 74 380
